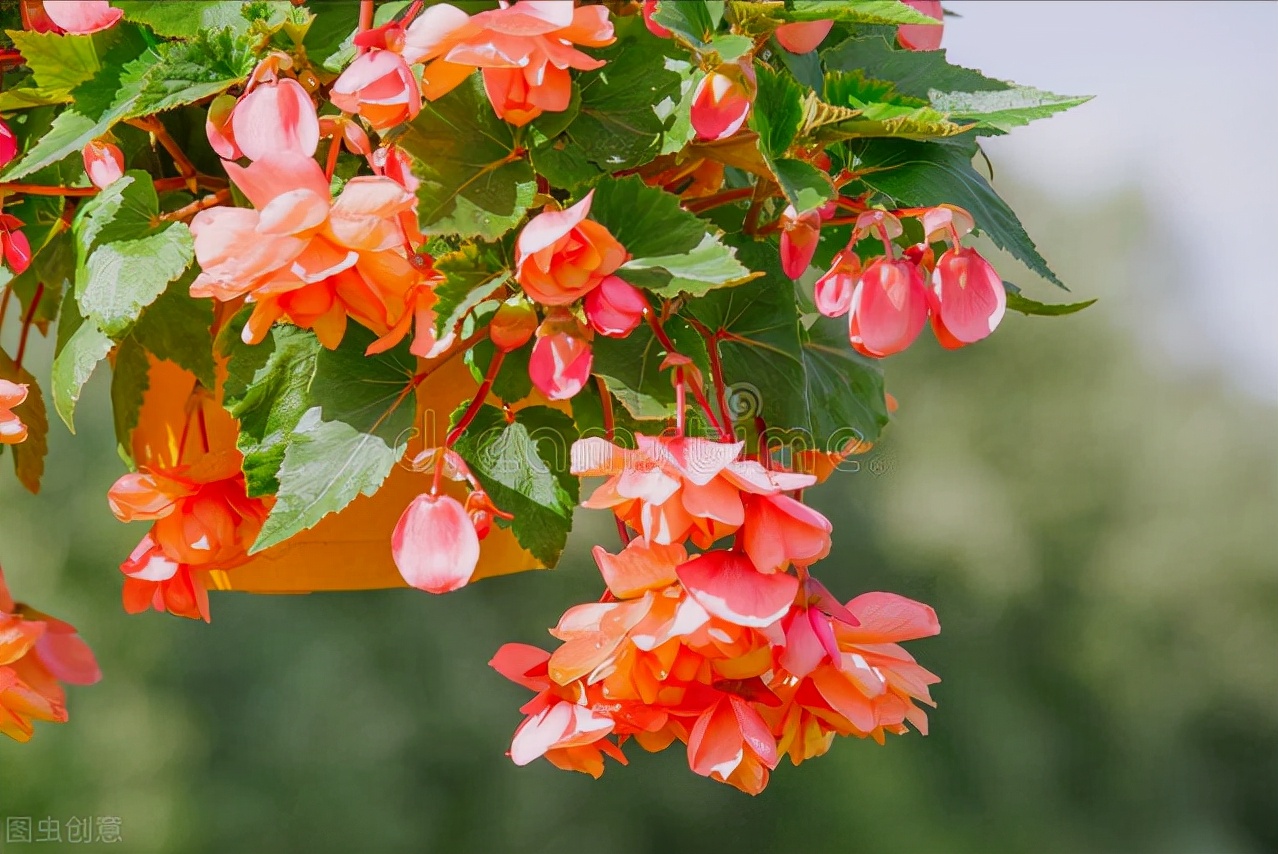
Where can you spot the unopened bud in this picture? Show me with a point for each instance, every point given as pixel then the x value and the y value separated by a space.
pixel 513 324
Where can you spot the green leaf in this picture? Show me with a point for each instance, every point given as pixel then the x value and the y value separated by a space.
pixel 126 258
pixel 811 393
pixel 777 112
pixel 671 249
pixel 1004 109
pixel 176 327
pixel 805 186
pixel 631 367
pixel 563 163
pixel 1025 305
pixel 325 426
pixel 874 108
pixel 130 379
pixel 81 346
pixel 329 41
pixel 695 20
pixel 29 454
pixel 472 183
pixel 920 174
pixel 523 465
pixel 622 119
pixel 185 20
pixel 472 274
pixel 58 62
pixel 913 72
pixel 513 382
pixel 886 12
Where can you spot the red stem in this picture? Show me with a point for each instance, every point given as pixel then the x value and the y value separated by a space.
pixel 697 394
pixel 473 409
pixel 26 325
pixel 4 305
pixel 365 19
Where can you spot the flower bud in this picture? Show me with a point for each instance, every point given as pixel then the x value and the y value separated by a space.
pixel 435 545
pixel 833 292
pixel 8 144
pixel 513 324
pixel 561 358
pixel 800 234
pixel 923 36
pixel 969 298
pixel 103 162
pixel 889 308
pixel 722 101
pixel 615 308
pixel 804 36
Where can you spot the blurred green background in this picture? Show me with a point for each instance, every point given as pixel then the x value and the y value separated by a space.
pixel 1094 527
pixel 1089 502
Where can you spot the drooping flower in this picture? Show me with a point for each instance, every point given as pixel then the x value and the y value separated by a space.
pixel 800 235
pixel 561 256
pixel 525 51
pixel 729 585
pixel 14 246
pixel 804 36
pixel 923 36
pixel 889 308
pixel 37 654
pixel 778 531
pixel 82 16
pixel 300 256
pixel 435 544
pixel 615 308
pixel 8 144
pixel 561 356
pixel 833 291
pixel 722 101
pixel 730 742
pixel 671 488
pixel 969 298
pixel 380 87
pixel 103 162
pixel 12 395
pixel 275 117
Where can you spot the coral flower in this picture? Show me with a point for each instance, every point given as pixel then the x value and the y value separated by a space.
pixel 923 36
pixel 668 489
pixel 380 87
pixel 803 37
pixel 779 531
pixel 889 308
pixel 37 653
pixel 301 256
pixel 615 308
pixel 276 116
pixel 721 101
pixel 103 162
pixel 8 144
pixel 14 246
pixel 561 356
pixel 732 743
pixel 12 430
pixel 561 256
pixel 435 545
pixel 800 235
pixel 525 50
pixel 82 16
pixel 969 298
pixel 833 291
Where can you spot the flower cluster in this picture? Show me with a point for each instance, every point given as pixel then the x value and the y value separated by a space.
pixel 37 654
pixel 725 651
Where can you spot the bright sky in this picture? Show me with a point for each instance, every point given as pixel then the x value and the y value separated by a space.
pixel 1186 110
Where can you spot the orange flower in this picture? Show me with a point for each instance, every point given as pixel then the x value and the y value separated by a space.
pixel 12 430
pixel 524 49
pixel 37 653
pixel 668 489
pixel 561 256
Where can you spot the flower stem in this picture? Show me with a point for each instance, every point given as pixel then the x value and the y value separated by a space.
pixel 365 19
pixel 185 213
pixel 473 409
pixel 26 324
pixel 697 393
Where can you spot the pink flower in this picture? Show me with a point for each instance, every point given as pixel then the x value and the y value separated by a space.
pixel 800 235
pixel 305 257
pixel 380 87
pixel 435 545
pixel 731 742
pixel 103 162
pixel 803 37
pixel 12 395
pixel 561 256
pixel 276 117
pixel 833 291
pixel 969 298
pixel 8 144
pixel 560 362
pixel 923 36
pixel 14 245
pixel 650 7
pixel 729 586
pixel 722 101
pixel 615 308
pixel 779 531
pixel 82 16
pixel 525 51
pixel 889 308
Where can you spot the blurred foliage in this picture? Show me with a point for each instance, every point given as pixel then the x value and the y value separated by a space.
pixel 1092 520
